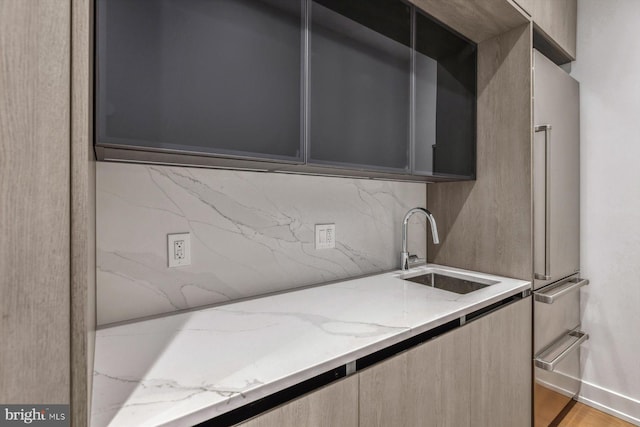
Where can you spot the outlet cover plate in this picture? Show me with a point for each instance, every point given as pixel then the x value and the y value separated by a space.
pixel 179 249
pixel 325 236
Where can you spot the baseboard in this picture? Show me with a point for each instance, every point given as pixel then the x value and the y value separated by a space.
pixel 612 403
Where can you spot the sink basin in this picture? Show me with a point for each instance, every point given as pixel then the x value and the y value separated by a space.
pixel 458 285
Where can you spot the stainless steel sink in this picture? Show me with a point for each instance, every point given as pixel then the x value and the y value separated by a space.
pixel 457 285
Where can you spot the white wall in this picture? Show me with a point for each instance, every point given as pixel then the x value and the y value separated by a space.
pixel 251 234
pixel 608 68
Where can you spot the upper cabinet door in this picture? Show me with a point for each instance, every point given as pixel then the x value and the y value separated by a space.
pixel 364 87
pixel 360 84
pixel 555 27
pixel 210 77
pixel 445 101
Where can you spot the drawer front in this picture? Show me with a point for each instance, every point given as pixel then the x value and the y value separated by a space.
pixel 558 315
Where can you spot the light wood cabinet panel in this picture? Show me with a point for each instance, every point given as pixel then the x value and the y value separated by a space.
pixel 526 5
pixel 83 215
pixel 333 405
pixel 438 386
pixel 476 20
pixel 34 201
pixel 455 367
pixel 475 375
pixel 485 225
pixel 501 367
pixel 557 19
pixel 424 386
pixel 384 393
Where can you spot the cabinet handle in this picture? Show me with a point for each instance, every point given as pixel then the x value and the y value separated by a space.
pixel 547 200
pixel 561 348
pixel 548 296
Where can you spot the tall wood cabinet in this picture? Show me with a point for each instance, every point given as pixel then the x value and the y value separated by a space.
pixel 487 223
pixel 34 201
pixel 47 213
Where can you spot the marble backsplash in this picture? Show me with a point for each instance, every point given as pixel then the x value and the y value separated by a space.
pixel 251 233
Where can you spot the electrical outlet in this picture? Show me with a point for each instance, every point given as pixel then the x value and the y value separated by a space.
pixel 179 249
pixel 325 236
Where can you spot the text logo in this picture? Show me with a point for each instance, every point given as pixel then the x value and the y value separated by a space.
pixel 34 415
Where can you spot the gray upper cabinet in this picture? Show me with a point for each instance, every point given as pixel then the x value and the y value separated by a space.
pixel 366 88
pixel 212 77
pixel 445 101
pixel 360 84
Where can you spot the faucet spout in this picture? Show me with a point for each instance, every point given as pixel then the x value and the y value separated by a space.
pixel 404 256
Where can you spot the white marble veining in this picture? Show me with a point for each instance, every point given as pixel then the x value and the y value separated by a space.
pixel 251 233
pixel 189 367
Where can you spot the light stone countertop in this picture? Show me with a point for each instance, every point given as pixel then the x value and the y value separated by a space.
pixel 189 367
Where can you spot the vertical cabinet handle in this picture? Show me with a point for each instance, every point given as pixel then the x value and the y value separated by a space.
pixel 546 275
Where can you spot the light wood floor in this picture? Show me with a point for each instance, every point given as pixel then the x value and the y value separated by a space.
pixel 585 416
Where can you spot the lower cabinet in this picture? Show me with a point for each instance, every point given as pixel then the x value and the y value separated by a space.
pixel 424 386
pixel 330 406
pixel 501 383
pixel 477 375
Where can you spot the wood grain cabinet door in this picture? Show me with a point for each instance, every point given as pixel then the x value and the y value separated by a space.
pixel 424 386
pixel 333 405
pixel 477 375
pixel 501 367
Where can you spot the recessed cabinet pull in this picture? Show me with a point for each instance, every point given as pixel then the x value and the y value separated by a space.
pixel 549 359
pixel 548 296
